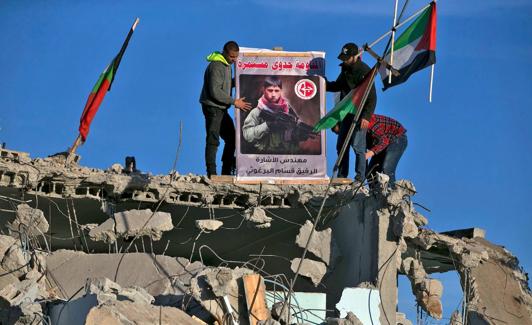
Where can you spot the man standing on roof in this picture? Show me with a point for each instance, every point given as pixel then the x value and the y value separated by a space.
pixel 386 142
pixel 351 75
pixel 215 100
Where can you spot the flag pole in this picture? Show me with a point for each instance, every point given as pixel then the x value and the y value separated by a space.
pixel 354 123
pixel 431 82
pixel 393 41
pixel 116 62
pixel 431 77
pixel 75 145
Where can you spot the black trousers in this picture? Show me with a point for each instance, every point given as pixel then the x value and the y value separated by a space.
pixel 218 123
pixel 343 167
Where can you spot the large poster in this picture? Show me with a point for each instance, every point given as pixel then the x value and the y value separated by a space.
pixel 287 91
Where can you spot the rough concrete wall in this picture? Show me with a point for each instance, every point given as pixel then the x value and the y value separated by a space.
pixel 369 243
pixel 497 288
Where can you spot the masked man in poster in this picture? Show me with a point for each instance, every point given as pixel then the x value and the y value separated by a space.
pixel 273 127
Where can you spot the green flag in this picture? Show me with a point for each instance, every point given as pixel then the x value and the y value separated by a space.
pixel 349 104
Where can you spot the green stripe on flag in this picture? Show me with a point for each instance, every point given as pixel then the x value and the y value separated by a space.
pixel 414 31
pixel 337 114
pixel 106 74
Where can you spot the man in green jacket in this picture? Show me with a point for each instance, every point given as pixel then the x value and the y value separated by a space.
pixel 215 101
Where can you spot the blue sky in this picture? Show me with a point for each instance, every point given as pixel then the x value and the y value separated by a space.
pixel 469 151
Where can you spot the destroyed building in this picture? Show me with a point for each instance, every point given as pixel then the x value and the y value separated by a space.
pixel 86 246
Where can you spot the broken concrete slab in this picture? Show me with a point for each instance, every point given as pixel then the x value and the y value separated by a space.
pixel 466 233
pixel 133 223
pixel 208 224
pixel 106 302
pixel 29 221
pixel 498 288
pixel 315 270
pixel 322 244
pixel 16 261
pixel 159 275
pixel 126 312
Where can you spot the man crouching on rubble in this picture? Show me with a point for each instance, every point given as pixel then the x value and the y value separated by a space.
pixel 388 141
pixel 215 100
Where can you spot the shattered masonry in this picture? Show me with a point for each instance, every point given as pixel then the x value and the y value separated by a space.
pixel 87 246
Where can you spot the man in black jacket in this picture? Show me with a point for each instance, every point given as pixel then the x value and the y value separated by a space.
pixel 215 100
pixel 351 75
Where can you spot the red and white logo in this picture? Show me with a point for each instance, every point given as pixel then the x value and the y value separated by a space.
pixel 305 89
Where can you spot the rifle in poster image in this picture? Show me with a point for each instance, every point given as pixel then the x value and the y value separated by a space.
pixel 279 120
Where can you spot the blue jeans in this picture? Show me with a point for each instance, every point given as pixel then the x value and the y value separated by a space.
pixel 386 161
pixel 359 146
pixel 358 143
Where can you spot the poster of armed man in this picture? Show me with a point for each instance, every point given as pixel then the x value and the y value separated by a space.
pixel 275 138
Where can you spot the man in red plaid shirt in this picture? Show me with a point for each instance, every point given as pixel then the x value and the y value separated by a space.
pixel 386 140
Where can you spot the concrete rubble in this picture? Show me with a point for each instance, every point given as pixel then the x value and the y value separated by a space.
pixel 350 319
pixel 29 220
pixel 218 291
pixel 208 224
pixel 322 243
pixel 256 217
pixel 315 270
pixel 86 246
pixel 133 223
pixel 106 302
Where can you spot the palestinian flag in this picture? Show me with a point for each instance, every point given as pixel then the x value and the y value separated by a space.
pixel 414 49
pixel 349 104
pixel 100 89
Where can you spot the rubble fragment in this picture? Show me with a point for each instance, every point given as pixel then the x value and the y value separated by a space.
pixel 16 261
pixel 208 224
pixel 322 244
pixel 315 270
pixel 279 314
pixel 456 318
pixel 106 302
pixel 350 319
pixel 214 287
pixel 427 291
pixel 133 223
pixel 29 220
pixel 269 321
pixel 257 217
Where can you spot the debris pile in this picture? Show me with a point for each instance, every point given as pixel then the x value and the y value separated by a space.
pixel 86 246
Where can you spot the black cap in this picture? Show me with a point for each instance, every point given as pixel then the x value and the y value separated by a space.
pixel 349 49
